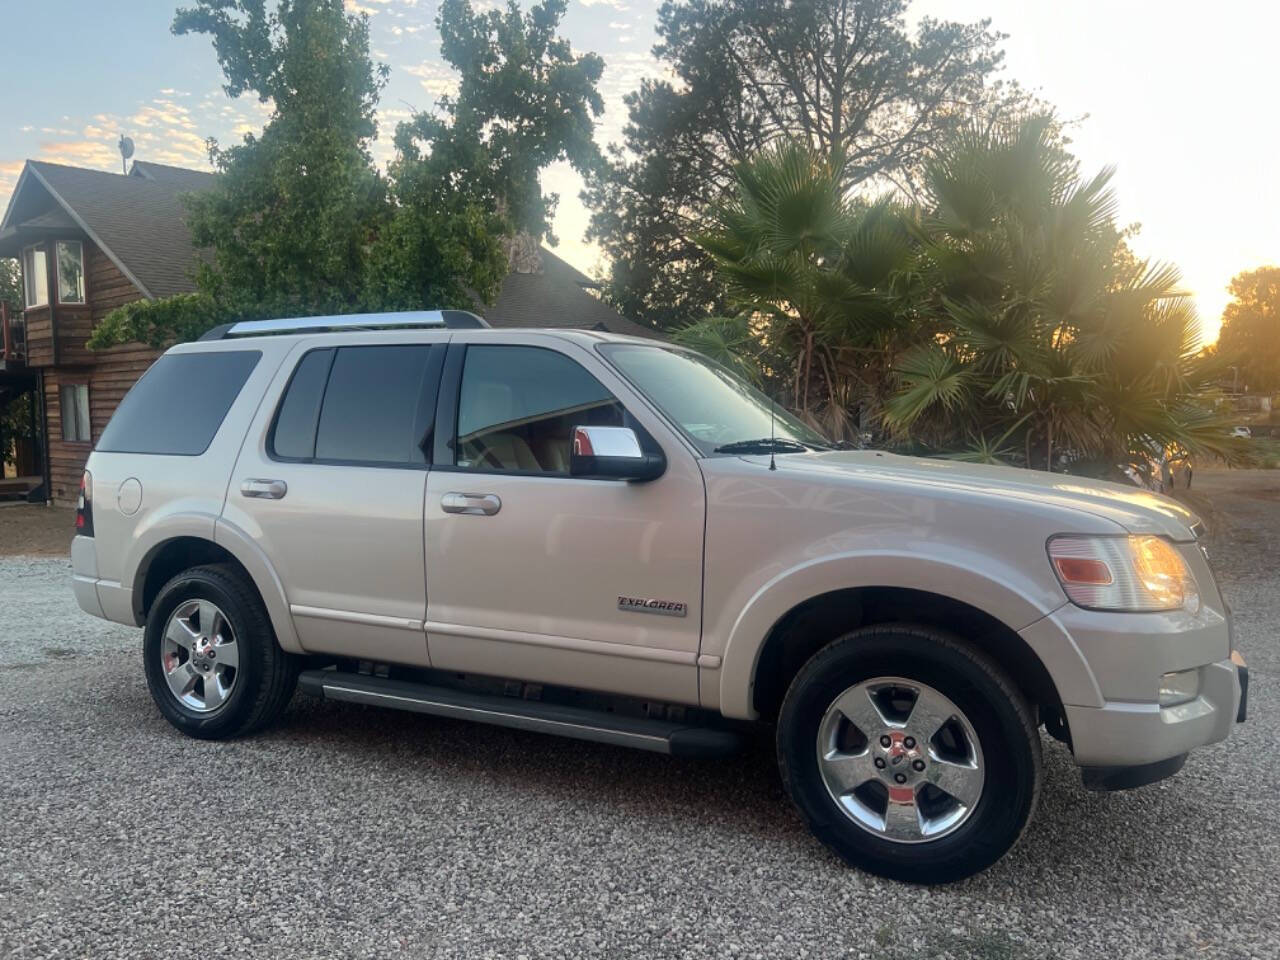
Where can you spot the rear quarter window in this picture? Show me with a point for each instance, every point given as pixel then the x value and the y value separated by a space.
pixel 179 404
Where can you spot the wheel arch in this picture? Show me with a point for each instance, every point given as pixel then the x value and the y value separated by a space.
pixel 812 624
pixel 169 557
pixel 799 612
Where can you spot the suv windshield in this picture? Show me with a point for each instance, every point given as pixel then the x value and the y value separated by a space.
pixel 719 412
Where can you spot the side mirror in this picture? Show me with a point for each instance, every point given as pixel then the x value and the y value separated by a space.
pixel 613 453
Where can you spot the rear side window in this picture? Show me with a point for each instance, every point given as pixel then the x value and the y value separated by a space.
pixel 294 435
pixel 179 404
pixel 359 405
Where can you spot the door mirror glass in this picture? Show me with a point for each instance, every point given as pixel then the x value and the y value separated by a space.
pixel 613 453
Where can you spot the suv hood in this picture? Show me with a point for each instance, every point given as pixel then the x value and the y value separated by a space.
pixel 1136 510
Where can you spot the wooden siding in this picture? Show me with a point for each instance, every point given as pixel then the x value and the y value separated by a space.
pixel 74 325
pixel 108 379
pixel 108 373
pixel 66 458
pixel 39 326
pixel 108 287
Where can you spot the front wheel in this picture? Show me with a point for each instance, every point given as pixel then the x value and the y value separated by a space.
pixel 212 661
pixel 910 754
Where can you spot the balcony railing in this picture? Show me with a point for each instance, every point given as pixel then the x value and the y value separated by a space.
pixel 15 336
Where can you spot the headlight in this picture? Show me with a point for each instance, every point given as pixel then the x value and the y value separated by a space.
pixel 1133 574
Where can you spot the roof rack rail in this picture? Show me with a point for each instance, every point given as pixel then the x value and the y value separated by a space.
pixel 448 319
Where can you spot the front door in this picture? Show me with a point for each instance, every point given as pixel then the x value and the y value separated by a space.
pixel 330 483
pixel 535 574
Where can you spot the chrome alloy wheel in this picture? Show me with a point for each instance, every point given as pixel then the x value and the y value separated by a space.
pixel 900 759
pixel 199 655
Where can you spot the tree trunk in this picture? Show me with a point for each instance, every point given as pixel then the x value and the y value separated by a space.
pixel 808 368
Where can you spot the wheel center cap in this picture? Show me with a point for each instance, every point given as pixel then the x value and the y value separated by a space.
pixel 203 649
pixel 902 758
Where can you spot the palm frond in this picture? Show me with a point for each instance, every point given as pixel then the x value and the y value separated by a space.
pixel 932 379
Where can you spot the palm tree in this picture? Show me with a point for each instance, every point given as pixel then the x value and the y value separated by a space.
pixel 817 280
pixel 1051 330
pixel 1003 320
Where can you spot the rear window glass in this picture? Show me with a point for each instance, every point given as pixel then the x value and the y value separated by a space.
pixel 375 406
pixel 178 405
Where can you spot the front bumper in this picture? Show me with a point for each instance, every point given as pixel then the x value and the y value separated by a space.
pixel 1120 734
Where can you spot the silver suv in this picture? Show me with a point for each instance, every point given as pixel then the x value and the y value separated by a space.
pixel 618 540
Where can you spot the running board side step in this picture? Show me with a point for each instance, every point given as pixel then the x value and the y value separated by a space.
pixel 658 736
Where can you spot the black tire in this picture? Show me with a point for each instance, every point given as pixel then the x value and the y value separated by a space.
pixel 265 677
pixel 999 714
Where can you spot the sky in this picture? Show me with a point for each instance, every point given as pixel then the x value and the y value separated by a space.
pixel 1180 97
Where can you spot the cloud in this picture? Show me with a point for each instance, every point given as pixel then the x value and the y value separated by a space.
pixel 162 129
pixel 623 72
pixel 8 180
pixel 615 4
pixel 436 78
pixel 80 153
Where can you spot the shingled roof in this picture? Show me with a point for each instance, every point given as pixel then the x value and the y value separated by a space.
pixel 139 222
pixel 556 296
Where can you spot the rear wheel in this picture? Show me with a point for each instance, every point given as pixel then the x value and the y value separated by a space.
pixel 213 665
pixel 910 754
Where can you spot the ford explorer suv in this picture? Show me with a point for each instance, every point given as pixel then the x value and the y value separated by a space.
pixel 618 540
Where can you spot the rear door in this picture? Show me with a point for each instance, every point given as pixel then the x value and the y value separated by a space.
pixel 330 484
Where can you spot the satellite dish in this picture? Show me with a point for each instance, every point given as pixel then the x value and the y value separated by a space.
pixel 126 151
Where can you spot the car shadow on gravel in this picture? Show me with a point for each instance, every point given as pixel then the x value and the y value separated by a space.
pixel 1080 845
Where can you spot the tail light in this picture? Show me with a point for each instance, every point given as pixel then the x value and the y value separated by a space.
pixel 84 506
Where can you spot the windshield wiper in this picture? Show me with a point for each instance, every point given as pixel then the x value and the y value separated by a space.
pixel 763 445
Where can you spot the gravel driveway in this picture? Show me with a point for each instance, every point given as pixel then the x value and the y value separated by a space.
pixel 348 831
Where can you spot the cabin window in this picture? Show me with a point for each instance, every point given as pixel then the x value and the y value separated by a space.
pixel 70 271
pixel 75 411
pixel 35 276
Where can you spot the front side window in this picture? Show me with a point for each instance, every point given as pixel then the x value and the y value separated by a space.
pixel 369 405
pixel 74 399
pixel 718 411
pixel 35 276
pixel 70 271
pixel 517 408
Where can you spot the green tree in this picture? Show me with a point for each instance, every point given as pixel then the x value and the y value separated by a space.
pixel 819 283
pixel 15 413
pixel 10 285
pixel 524 101
pixel 299 221
pixel 848 78
pixel 290 218
pixel 1250 337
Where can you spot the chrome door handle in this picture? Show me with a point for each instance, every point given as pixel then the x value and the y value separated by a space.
pixel 263 489
pixel 475 504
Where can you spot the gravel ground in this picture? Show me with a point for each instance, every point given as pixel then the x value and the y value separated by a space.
pixel 35 530
pixel 348 831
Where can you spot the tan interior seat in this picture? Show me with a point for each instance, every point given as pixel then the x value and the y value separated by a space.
pixel 501 451
pixel 494 403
